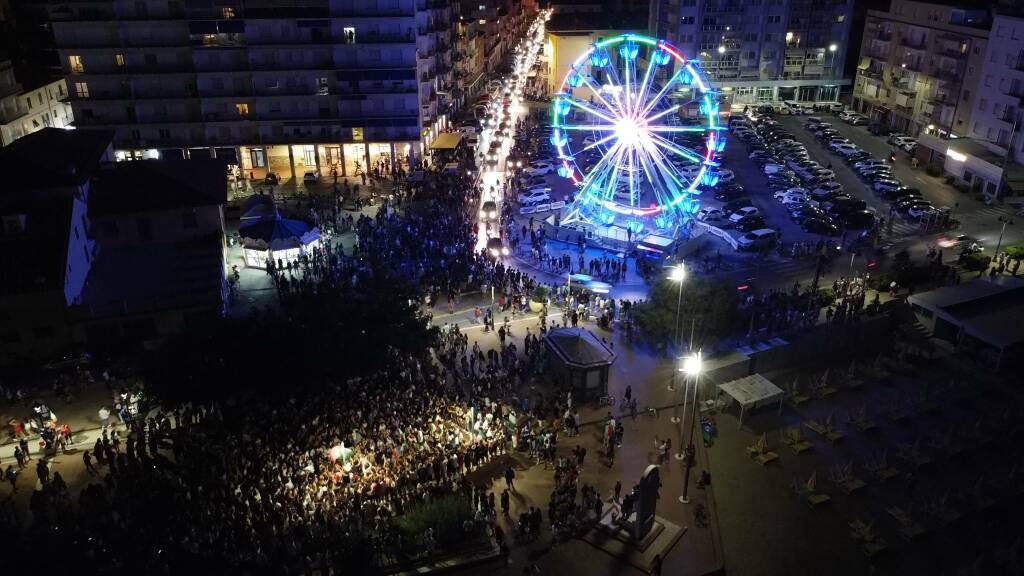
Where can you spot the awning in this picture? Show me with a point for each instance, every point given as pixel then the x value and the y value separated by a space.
pixel 447 141
pixel 752 391
pixel 865 63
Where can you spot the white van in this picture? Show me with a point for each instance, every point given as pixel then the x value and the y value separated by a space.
pixel 757 239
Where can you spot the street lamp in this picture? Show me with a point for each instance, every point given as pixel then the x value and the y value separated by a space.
pixel 999 244
pixel 832 50
pixel 721 49
pixel 692 366
pixel 678 275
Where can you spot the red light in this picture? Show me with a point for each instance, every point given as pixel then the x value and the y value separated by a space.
pixel 742 287
pixel 872 264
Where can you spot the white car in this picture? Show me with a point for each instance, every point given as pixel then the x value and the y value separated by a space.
pixel 781 194
pixel 725 176
pixel 710 214
pixel 690 170
pixel 867 163
pixel 827 188
pixel 311 176
pixel 770 169
pixel 743 213
pixel 846 150
pixel 905 142
pixel 793 199
pixel 539 169
pixel 535 196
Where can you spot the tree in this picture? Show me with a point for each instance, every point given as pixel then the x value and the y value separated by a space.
pixel 709 306
pixel 325 334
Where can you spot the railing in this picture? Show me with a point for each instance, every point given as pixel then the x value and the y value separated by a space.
pixel 883 36
pixel 912 43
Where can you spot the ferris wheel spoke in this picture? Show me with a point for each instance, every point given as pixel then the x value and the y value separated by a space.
pixel 645 86
pixel 590 127
pixel 611 109
pixel 701 129
pixel 661 94
pixel 598 143
pixel 680 150
pixel 589 109
pixel 668 170
pixel 664 112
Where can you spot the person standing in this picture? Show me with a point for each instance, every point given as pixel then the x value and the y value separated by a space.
pixel 12 476
pixel 87 460
pixel 19 456
pixel 23 443
pixel 504 503
pixel 510 475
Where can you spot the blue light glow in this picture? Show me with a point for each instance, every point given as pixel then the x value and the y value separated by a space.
pixel 648 172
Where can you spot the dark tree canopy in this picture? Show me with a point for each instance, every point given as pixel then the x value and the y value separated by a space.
pixel 321 335
pixel 709 306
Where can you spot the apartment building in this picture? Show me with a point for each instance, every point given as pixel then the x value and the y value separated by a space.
pixel 282 87
pixel 487 32
pixel 104 251
pixel 919 67
pixel 762 50
pixel 996 116
pixel 23 111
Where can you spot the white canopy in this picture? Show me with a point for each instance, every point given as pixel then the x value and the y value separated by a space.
pixel 752 391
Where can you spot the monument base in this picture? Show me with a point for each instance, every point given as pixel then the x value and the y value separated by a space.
pixel 617 540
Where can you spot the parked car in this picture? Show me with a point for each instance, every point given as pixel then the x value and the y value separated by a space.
pixel 919 210
pixel 859 121
pixel 748 223
pixel 858 220
pixel 801 213
pixel 539 169
pixel 311 177
pixel 270 179
pixel 844 205
pixel 898 193
pixel 827 188
pixel 781 194
pixel 735 205
pixel 536 196
pixel 885 184
pixel 743 212
pixel 819 226
pixel 757 239
pixel 710 215
pixel 847 150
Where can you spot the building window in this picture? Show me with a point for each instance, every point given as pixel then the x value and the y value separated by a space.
pixel 119 59
pixel 76 63
pixel 81 89
pixel 349 34
pixel 243 109
pixel 774 18
pixel 228 12
pixel 688 20
pixel 189 221
pixel 164 134
pixel 259 158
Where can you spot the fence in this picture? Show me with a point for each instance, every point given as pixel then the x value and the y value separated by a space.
pixel 702 227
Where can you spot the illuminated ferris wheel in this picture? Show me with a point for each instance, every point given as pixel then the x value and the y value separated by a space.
pixel 636 127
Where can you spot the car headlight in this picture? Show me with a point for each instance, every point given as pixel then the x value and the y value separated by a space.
pixel 494 252
pixel 493 214
pixel 504 251
pixel 483 214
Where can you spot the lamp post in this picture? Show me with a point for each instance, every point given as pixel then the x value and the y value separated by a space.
pixel 692 366
pixel 999 244
pixel 678 275
pixel 832 65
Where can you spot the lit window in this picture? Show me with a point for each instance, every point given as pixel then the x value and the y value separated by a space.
pixel 81 89
pixel 243 109
pixel 76 63
pixel 119 58
pixel 228 12
pixel 483 7
pixel 482 22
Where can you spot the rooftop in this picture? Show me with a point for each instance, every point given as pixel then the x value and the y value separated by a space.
pixel 579 348
pixel 52 158
pixel 156 185
pixel 160 276
pixel 989 309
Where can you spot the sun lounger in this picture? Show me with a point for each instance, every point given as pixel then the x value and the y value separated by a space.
pixel 815 500
pixel 874 547
pixel 766 457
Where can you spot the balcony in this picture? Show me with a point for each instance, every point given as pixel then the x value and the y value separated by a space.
pixel 883 36
pixel 913 43
pixel 1010 116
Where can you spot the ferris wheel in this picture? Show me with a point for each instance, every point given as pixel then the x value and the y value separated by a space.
pixel 636 127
